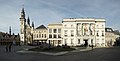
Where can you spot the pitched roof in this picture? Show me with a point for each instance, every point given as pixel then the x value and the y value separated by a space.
pixel 41 27
pixel 108 30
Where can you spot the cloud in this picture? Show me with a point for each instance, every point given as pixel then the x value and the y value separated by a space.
pixel 47 11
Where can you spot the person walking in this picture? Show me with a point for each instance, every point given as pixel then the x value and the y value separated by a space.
pixel 10 45
pixel 92 47
pixel 6 48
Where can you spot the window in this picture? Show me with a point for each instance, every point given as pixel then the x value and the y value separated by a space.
pixel 50 35
pixel 102 25
pixel 72 25
pixel 78 41
pixel 72 32
pixel 65 41
pixel 40 31
pixel 97 39
pixel 39 35
pixel 102 33
pixel 90 33
pixel 59 41
pixel 71 41
pixel 22 37
pixel 54 36
pixel 97 25
pixel 102 38
pixel 65 32
pixel 97 33
pixel 59 35
pixel 50 30
pixel 55 30
pixel 79 32
pixel 65 25
pixel 44 31
pixel 92 41
pixel 45 35
pixel 59 30
pixel 42 35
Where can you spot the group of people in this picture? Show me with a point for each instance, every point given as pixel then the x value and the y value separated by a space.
pixel 8 47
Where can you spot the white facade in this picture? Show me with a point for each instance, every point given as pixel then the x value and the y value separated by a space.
pixel 84 31
pixel 55 34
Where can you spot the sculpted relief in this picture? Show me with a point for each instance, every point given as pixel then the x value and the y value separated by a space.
pixel 86 29
pixel 92 28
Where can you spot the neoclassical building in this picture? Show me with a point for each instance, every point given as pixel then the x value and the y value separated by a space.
pixel 84 31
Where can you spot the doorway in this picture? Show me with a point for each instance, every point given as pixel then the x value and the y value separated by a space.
pixel 86 42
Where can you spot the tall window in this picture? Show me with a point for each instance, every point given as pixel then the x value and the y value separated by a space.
pixel 39 35
pixel 65 40
pixel 50 30
pixel 97 33
pixel 78 41
pixel 59 35
pixel 54 36
pixel 72 32
pixel 103 25
pixel 59 41
pixel 79 32
pixel 45 35
pixel 59 30
pixel 92 41
pixel 42 35
pixel 72 25
pixel 55 30
pixel 50 35
pixel 71 41
pixel 102 33
pixel 65 32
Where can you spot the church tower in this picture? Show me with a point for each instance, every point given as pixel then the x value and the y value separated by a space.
pixel 23 27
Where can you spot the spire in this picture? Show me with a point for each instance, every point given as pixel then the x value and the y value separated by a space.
pixel 10 30
pixel 33 24
pixel 28 20
pixel 22 13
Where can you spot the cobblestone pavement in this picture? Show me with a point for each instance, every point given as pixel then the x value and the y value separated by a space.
pixel 97 54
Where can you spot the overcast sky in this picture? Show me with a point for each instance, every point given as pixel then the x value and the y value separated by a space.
pixel 49 11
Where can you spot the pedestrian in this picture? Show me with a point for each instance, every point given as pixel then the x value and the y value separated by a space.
pixel 92 46
pixel 10 45
pixel 14 43
pixel 6 48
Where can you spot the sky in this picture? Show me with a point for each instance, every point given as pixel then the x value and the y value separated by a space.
pixel 52 11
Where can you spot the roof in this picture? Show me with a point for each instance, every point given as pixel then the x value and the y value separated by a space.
pixel 91 19
pixel 41 27
pixel 6 35
pixel 54 24
pixel 108 30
